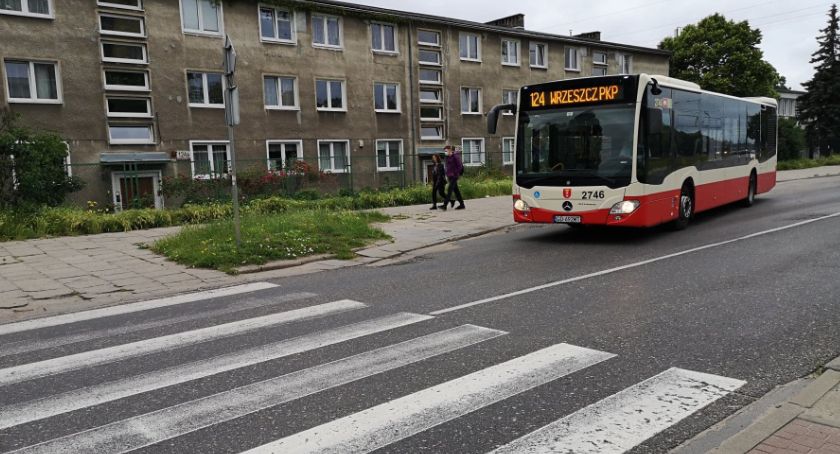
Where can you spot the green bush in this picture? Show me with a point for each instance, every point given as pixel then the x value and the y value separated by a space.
pixel 794 164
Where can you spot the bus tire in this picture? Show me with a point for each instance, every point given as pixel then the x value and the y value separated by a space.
pixel 751 191
pixel 686 207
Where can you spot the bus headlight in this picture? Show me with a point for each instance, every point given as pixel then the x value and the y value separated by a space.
pixel 521 206
pixel 625 207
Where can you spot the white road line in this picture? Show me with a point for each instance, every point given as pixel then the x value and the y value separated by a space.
pixel 130 308
pixel 30 345
pixel 106 392
pixel 392 421
pixel 627 267
pixel 181 419
pixel 92 358
pixel 626 419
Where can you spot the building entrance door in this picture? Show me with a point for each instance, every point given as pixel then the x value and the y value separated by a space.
pixel 136 190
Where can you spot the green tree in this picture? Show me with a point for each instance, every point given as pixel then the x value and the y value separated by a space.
pixel 791 139
pixel 723 56
pixel 820 107
pixel 32 169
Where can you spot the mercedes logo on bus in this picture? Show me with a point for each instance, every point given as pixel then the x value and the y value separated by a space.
pixel 568 206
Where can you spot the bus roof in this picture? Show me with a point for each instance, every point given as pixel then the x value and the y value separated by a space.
pixel 686 85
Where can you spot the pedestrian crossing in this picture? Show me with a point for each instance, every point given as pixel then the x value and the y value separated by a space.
pixel 616 423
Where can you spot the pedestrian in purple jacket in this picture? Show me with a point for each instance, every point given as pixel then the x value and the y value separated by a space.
pixel 454 170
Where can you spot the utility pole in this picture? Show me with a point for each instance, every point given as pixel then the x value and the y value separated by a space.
pixel 232 119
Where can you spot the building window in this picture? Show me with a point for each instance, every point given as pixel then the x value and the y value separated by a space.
pixel 128 107
pixel 431 95
pixel 383 37
pixel 124 53
pixel 386 97
pixel 599 58
pixel 126 80
pixel 470 47
pixel 32 82
pixel 125 134
pixel 507 150
pixel 121 25
pixel 431 113
pixel 282 154
pixel 509 97
pixel 428 38
pixel 538 53
pixel 572 63
pixel 599 70
pixel 429 57
pixel 470 100
pixel 209 159
pixel 431 132
pixel 205 89
pixel 201 16
pixel 326 31
pixel 280 92
pixel 625 64
pixel 124 4
pixel 510 52
pixel 277 25
pixel 334 156
pixel 329 95
pixel 473 152
pixel 33 8
pixel 430 76
pixel 388 155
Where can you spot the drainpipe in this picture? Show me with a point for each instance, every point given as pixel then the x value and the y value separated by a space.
pixel 412 133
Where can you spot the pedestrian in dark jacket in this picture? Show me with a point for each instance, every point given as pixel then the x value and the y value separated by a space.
pixel 454 169
pixel 438 182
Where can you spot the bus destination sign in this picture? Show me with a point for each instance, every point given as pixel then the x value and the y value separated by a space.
pixel 572 96
pixel 587 91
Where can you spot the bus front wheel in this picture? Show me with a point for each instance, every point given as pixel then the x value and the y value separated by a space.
pixel 751 190
pixel 686 208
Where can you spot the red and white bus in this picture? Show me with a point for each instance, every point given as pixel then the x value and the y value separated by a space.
pixel 636 151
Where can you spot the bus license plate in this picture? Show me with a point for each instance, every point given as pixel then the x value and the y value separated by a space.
pixel 567 219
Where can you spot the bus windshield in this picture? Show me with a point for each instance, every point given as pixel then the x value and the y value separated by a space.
pixel 576 146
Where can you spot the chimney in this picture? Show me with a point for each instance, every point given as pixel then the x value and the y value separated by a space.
pixel 595 36
pixel 516 21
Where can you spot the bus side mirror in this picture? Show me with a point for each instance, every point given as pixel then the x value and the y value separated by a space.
pixel 654 121
pixel 493 116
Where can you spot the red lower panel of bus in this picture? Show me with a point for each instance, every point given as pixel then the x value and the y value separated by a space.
pixel 766 182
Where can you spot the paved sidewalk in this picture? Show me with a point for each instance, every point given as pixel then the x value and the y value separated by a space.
pixel 802 174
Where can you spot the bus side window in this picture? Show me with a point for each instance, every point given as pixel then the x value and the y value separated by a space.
pixel 659 160
pixel 754 130
pixel 689 140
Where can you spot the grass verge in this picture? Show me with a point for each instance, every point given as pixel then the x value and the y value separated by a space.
pixel 275 237
pixel 795 164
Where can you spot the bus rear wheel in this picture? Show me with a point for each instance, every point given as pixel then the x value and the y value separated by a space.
pixel 750 200
pixel 686 208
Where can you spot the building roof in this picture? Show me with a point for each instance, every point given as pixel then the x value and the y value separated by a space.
pixel 427 18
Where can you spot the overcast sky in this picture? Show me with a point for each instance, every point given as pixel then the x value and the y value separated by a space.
pixel 789 28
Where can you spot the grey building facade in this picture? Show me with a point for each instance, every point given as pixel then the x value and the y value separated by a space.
pixel 368 94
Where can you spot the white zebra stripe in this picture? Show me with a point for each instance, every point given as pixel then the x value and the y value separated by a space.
pixel 151 428
pixel 92 358
pixel 392 421
pixel 626 419
pixel 130 308
pixel 106 392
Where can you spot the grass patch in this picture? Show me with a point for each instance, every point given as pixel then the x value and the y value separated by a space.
pixel 795 164
pixel 275 237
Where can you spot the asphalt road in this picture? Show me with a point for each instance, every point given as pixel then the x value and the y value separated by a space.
pixel 397 370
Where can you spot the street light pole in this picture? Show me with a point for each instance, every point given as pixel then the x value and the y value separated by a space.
pixel 232 119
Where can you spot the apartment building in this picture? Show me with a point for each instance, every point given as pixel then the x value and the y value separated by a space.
pixel 369 94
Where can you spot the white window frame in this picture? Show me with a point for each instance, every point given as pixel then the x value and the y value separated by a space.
pixel 206 90
pixel 201 31
pixel 147 114
pixel 512 141
pixel 431 106
pixel 33 87
pixel 425 43
pixel 477 36
pixel 382 38
pixel 146 87
pixel 144 61
pixel 150 141
pixel 390 167
pixel 505 100
pixel 516 45
pixel 298 154
pixel 625 61
pixel 437 63
pixel 209 143
pixel 139 19
pixel 566 51
pixel 439 80
pixel 326 45
pixel 108 4
pixel 25 11
pixel 435 103
pixel 481 155
pixel 598 62
pixel 469 99
pixel 276 78
pixel 329 98
pixel 277 40
pixel 332 156
pixel 545 55
pixel 384 86
pixel 436 126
